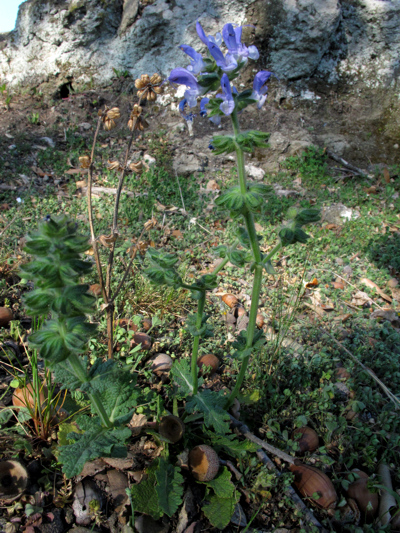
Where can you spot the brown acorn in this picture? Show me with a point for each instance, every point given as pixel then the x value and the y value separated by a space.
pixel 310 480
pixel 143 339
pixel 208 360
pixel 172 428
pixel 24 396
pixel 6 315
pixel 95 289
pixel 147 323
pixel 161 364
pixel 259 320
pixel 306 438
pixel 239 311
pixel 203 463
pixel 13 479
pixel 368 502
pixel 230 300
pixel 126 323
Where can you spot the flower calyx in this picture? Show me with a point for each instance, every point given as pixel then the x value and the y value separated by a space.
pixel 109 116
pixel 149 87
pixel 136 121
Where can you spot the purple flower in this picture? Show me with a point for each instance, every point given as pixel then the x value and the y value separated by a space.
pixel 203 103
pixel 233 40
pixel 228 104
pixel 226 63
pixel 260 87
pixel 181 76
pixel 197 63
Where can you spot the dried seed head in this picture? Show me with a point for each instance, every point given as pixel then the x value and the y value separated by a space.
pixel 136 111
pixel 150 224
pixel 113 113
pixel 156 79
pixel 136 167
pixel 84 161
pixel 158 90
pixel 109 124
pixel 151 95
pixel 113 165
pixel 137 122
pixel 142 82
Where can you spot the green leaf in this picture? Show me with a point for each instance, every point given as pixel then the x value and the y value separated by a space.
pixel 96 441
pixel 231 445
pixel 169 487
pixel 223 144
pixel 240 257
pixel 5 415
pixel 211 404
pixel 231 199
pixel 144 495
pixel 222 484
pixel 182 376
pixel 219 511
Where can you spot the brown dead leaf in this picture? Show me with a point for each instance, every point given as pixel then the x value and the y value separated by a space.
pixel 108 240
pixel 342 318
pixel 177 234
pixel 311 284
pixel 371 190
pixel 39 172
pixel 331 226
pixel 386 175
pixel 338 285
pixel 137 423
pixel 361 298
pixel 321 301
pixel 316 309
pixel 72 171
pixel 373 285
pixel 212 185
pixel 386 314
pixel 80 184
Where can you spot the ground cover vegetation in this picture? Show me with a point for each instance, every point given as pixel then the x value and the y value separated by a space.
pixel 185 369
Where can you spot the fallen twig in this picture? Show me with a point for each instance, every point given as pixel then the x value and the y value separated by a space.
pixel 112 190
pixel 388 393
pixel 349 166
pixel 289 491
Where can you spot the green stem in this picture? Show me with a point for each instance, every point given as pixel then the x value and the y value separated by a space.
pixel 258 269
pixel 80 373
pixel 200 308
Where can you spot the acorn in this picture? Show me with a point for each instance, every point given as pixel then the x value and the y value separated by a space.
pixel 147 323
pixel 203 463
pixel 13 479
pixel 368 502
pixel 259 320
pixel 239 311
pixel 143 339
pixel 95 289
pixel 126 323
pixel 172 428
pixel 310 480
pixel 162 364
pixel 208 360
pixel 306 438
pixel 230 300
pixel 6 315
pixel 25 397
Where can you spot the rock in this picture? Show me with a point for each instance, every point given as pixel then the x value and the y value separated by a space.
pixel 339 261
pixel 254 172
pixel 278 142
pixel 338 214
pixel 239 518
pixel 187 164
pixel 85 492
pixel 85 126
pixel 297 147
pixel 129 14
pixel 337 143
pixel 49 141
pixel 149 160
pixel 280 191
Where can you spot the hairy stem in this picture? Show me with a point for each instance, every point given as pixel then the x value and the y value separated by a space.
pixel 200 308
pixel 258 269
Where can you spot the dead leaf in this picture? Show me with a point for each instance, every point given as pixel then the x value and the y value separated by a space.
pixel 118 482
pixel 371 190
pixel 137 423
pixel 386 314
pixel 80 184
pixel 342 318
pixel 338 285
pixel 177 233
pixel 373 285
pixel 313 283
pixel 322 301
pixel 108 240
pixel 331 226
pixel 316 309
pixel 72 171
pixel 386 175
pixel 39 172
pixel 212 185
pixel 361 298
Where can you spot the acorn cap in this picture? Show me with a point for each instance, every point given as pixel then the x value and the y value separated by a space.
pixel 306 438
pixel 203 462
pixel 126 323
pixel 143 339
pixel 368 502
pixel 172 428
pixel 13 479
pixel 208 360
pixel 6 315
pixel 161 364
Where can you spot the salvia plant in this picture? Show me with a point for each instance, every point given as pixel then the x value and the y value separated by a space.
pixel 56 270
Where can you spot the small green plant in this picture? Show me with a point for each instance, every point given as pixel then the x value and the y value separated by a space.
pixel 121 73
pixel 56 269
pixel 34 118
pixel 3 88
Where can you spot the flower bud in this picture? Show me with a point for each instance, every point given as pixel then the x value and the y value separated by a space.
pixel 84 161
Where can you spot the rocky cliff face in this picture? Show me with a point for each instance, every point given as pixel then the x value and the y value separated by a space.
pixel 344 53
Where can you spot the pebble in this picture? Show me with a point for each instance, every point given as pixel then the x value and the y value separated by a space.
pixel 339 261
pixel 393 283
pixel 348 270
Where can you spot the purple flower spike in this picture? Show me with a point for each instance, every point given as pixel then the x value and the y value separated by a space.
pixel 227 63
pixel 260 87
pixel 233 40
pixel 197 63
pixel 228 104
